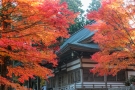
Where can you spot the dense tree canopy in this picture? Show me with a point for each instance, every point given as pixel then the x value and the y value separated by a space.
pixel 80 21
pixel 74 5
pixel 28 28
pixel 115 35
pixel 94 5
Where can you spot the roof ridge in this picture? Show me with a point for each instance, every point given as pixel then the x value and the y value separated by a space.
pixel 77 32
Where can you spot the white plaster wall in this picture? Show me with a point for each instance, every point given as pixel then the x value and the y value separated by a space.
pixel 72 63
pixel 88 65
pixel 131 73
pixel 87 60
pixel 73 67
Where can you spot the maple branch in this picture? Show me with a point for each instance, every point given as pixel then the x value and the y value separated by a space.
pixel 23 35
pixel 131 41
pixel 38 58
pixel 20 29
pixel 129 14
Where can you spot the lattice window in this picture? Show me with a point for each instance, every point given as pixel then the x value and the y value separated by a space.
pixel 98 77
pixel 87 75
pixel 69 79
pixel 111 78
pixel 121 76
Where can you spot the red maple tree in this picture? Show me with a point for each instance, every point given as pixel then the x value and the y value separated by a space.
pixel 28 28
pixel 115 35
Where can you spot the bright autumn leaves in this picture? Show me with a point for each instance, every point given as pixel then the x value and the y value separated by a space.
pixel 27 29
pixel 115 35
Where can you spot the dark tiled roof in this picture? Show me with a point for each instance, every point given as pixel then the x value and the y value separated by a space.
pixel 76 40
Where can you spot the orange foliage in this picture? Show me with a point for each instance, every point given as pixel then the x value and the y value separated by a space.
pixel 27 30
pixel 115 35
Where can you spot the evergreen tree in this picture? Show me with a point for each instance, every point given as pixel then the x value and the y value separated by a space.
pixel 80 21
pixel 94 5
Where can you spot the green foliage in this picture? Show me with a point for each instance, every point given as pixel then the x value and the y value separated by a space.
pixel 80 21
pixel 127 83
pixel 132 79
pixel 94 5
pixel 42 82
pixel 74 5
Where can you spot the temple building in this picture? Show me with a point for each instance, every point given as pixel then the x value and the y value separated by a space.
pixel 73 71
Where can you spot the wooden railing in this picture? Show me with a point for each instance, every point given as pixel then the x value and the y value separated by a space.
pixel 123 88
pixel 89 87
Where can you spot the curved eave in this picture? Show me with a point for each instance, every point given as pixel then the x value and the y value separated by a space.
pixel 83 48
pixel 78 47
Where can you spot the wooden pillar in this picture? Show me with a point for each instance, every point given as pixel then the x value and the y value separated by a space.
pixel 56 80
pixel 126 74
pixel 75 80
pixel 105 80
pixel 30 83
pixel 81 72
pixel 38 83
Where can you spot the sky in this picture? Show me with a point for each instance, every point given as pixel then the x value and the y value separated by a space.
pixel 85 4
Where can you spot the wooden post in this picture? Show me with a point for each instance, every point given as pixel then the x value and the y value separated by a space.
pixel 28 85
pixel 93 86
pixel 38 83
pixel 105 80
pixel 81 72
pixel 110 86
pixel 75 85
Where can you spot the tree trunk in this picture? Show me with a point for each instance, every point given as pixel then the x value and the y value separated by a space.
pixel 3 71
